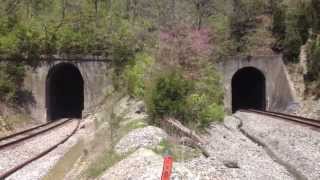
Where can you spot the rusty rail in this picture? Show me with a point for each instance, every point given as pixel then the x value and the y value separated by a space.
pixel 25 131
pixel 10 143
pixel 18 167
pixel 297 119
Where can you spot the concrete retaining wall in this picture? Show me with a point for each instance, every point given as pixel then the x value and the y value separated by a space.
pixel 96 83
pixel 279 91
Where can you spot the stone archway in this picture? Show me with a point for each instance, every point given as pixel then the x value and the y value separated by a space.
pixel 64 92
pixel 248 89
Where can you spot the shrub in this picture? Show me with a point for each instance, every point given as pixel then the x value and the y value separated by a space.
pixel 313 76
pixel 291 27
pixel 292 44
pixel 167 96
pixel 135 74
pixel 8 45
pixel 11 78
pixel 278 21
pixel 213 112
pixel 194 103
pixel 314 59
pixel 69 41
pixel 205 104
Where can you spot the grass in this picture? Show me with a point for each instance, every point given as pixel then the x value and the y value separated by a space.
pixel 66 163
pixel 107 157
pixel 10 122
pixel 102 163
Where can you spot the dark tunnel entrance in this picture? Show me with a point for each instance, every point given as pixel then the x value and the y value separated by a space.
pixel 248 89
pixel 64 92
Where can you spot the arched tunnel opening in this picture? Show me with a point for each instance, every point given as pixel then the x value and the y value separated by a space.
pixel 64 92
pixel 248 89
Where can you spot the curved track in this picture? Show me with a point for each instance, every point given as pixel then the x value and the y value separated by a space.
pixel 20 137
pixel 297 119
pixel 30 133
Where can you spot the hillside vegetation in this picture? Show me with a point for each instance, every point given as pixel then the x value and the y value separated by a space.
pixel 162 51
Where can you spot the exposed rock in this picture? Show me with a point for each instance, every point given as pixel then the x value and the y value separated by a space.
pixel 144 165
pixel 147 137
pixel 130 110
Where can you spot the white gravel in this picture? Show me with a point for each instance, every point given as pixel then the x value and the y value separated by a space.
pixel 29 133
pixel 298 146
pixel 147 137
pixel 144 164
pixel 19 153
pixel 39 168
pixel 234 156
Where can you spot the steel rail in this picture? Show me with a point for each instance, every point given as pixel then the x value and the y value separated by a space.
pixel 10 143
pixel 43 153
pixel 25 131
pixel 297 119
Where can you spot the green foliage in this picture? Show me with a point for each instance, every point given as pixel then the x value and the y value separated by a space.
pixel 291 23
pixel 278 20
pixel 205 104
pixel 314 59
pixel 8 45
pixel 178 152
pixel 124 47
pixel 213 112
pixel 242 22
pixel 315 14
pixel 194 103
pixel 167 95
pixel 11 79
pixel 135 75
pixel 224 45
pixel 313 76
pixel 292 44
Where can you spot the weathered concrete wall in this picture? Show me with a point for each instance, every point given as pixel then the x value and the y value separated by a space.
pixel 94 74
pixel 279 91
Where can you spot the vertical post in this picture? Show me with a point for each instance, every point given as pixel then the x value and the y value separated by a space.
pixel 167 167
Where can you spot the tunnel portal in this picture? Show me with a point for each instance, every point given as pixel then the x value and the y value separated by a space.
pixel 64 92
pixel 248 89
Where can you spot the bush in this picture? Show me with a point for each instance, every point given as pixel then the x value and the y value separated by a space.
pixel 292 44
pixel 135 75
pixel 313 76
pixel 194 103
pixel 11 79
pixel 213 112
pixel 205 104
pixel 8 45
pixel 314 59
pixel 291 28
pixel 167 96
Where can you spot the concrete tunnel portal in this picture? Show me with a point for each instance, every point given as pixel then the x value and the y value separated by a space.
pixel 64 92
pixel 248 89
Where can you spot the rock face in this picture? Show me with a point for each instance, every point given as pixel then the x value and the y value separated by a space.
pixel 147 137
pixel 297 146
pixel 130 109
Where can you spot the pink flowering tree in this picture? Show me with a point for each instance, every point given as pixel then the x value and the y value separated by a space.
pixel 185 46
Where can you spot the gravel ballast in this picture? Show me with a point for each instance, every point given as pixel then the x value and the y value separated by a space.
pixel 147 137
pixel 235 156
pixel 39 168
pixel 297 145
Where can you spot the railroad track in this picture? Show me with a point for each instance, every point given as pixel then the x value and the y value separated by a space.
pixel 15 140
pixel 297 119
